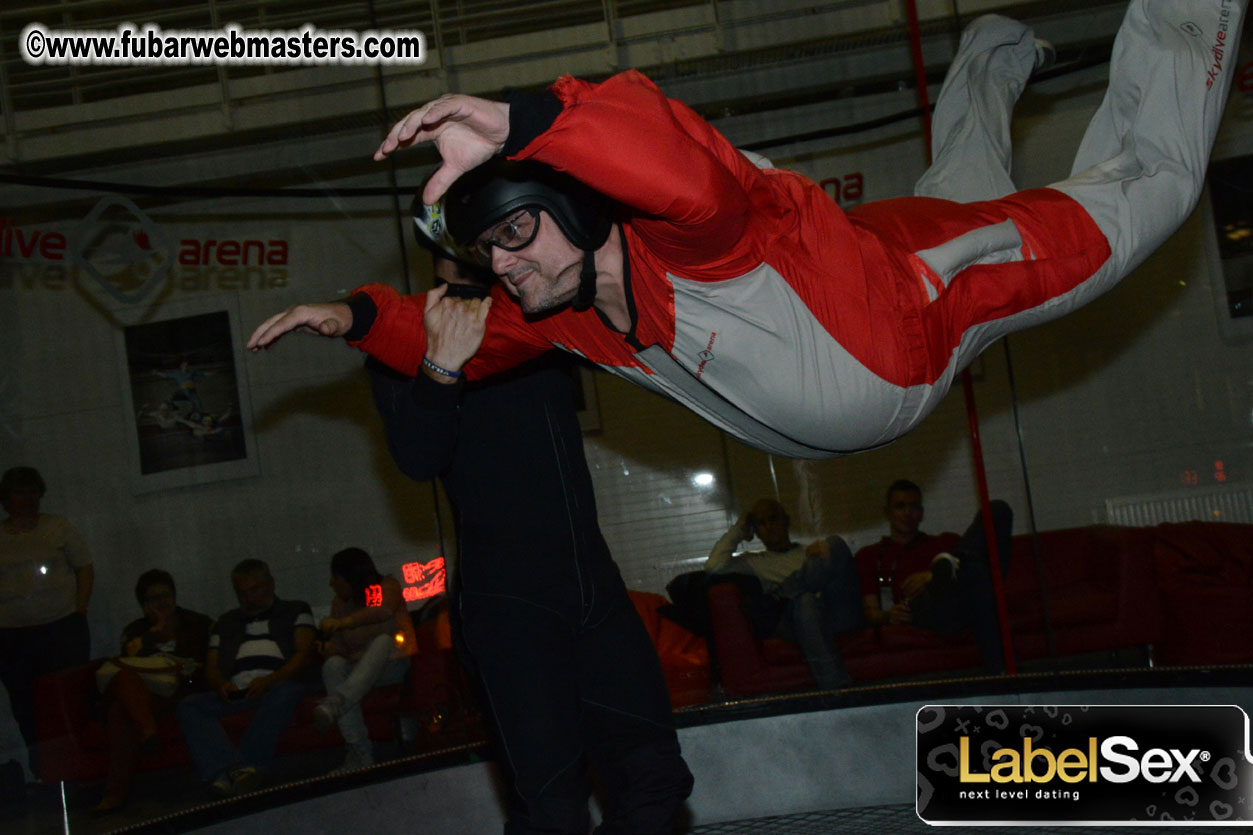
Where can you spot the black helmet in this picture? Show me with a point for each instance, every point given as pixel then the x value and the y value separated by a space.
pixel 499 187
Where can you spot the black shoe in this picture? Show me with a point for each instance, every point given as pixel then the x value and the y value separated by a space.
pixel 12 784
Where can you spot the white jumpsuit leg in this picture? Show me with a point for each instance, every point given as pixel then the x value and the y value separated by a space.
pixel 1141 165
pixel 1139 169
pixel 970 137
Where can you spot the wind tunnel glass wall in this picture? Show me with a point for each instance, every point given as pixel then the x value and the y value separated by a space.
pixel 168 445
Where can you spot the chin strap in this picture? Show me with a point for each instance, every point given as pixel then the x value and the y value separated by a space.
pixel 587 282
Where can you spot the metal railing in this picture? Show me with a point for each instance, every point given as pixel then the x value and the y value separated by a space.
pixel 462 35
pixel 56 117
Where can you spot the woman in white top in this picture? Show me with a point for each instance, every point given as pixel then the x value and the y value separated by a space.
pixel 45 586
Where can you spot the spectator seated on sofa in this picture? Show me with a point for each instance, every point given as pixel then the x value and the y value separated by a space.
pixel 813 588
pixel 369 638
pixel 136 696
pixel 73 738
pixel 941 583
pixel 258 655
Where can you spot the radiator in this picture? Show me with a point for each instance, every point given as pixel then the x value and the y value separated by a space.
pixel 1231 503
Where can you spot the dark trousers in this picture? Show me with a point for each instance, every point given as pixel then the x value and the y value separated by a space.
pixel 968 601
pixel 28 652
pixel 823 599
pixel 211 750
pixel 568 689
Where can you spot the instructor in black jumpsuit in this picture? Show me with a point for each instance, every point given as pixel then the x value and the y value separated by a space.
pixel 570 673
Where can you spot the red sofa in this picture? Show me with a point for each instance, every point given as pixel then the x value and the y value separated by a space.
pixel 74 745
pixel 1205 571
pixel 1102 594
pixel 684 656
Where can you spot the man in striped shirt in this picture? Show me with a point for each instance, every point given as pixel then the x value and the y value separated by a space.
pixel 258 655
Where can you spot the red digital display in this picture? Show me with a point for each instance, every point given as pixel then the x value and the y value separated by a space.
pixel 1193 477
pixel 374 595
pixel 425 579
pixel 1244 81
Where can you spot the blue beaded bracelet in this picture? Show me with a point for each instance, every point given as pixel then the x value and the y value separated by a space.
pixel 442 371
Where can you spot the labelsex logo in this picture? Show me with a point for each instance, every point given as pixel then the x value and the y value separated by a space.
pixel 1040 765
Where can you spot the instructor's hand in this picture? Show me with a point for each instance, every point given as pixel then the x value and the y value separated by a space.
pixel 454 329
pixel 328 319
pixel 466 130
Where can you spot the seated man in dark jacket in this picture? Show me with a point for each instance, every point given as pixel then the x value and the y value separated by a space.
pixel 258 654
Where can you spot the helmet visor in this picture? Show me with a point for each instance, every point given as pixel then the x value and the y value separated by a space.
pixel 512 234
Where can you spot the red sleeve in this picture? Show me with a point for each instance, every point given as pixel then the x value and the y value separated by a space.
pixel 655 156
pixel 865 562
pixel 918 556
pixel 398 338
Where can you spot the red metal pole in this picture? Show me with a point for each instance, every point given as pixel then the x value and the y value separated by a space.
pixel 972 413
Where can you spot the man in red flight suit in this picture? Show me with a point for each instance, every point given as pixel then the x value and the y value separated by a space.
pixel 751 297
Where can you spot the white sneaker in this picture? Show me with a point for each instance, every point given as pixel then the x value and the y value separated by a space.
pixel 327 712
pixel 1045 56
pixel 356 759
pixel 944 567
pixel 246 779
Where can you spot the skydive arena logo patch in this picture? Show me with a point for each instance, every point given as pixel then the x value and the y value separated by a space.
pixel 1028 765
pixel 706 356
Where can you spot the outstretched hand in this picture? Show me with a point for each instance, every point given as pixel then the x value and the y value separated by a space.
pixel 327 319
pixel 467 132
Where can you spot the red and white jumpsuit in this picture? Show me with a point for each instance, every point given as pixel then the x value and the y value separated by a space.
pixel 809 331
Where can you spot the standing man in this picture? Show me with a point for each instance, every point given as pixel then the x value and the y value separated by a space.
pixel 751 297
pixel 258 656
pixel 569 671
pixel 817 584
pixel 942 583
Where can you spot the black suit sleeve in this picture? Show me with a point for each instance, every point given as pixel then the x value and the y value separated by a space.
pixel 419 418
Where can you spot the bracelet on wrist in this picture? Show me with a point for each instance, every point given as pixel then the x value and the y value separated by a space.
pixel 443 372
